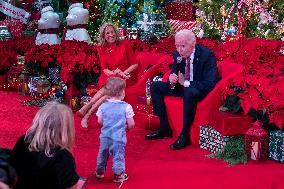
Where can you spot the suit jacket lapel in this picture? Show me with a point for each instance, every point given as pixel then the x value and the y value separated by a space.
pixel 196 59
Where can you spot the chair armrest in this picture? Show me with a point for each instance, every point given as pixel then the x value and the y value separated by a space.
pixel 160 64
pixel 214 99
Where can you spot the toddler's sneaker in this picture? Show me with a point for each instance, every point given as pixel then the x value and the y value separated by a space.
pixel 99 175
pixel 120 178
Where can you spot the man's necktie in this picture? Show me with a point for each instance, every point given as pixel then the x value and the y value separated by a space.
pixel 187 69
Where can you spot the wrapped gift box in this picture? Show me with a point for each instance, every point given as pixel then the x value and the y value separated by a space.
pixel 276 146
pixel 54 75
pixel 147 109
pixel 178 25
pixel 180 11
pixel 145 118
pixel 33 85
pixel 72 97
pixel 3 80
pixel 228 123
pixel 210 139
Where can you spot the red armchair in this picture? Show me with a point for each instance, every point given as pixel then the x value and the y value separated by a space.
pixel 160 64
pixel 174 105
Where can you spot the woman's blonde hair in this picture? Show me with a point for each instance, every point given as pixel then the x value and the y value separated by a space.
pixel 52 127
pixel 102 29
pixel 114 86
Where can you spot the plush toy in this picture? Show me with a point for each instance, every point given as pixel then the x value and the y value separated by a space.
pixel 77 21
pixel 48 25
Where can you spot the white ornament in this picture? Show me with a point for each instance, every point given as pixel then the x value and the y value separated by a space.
pixel 145 24
pixel 77 17
pixel 264 18
pixel 201 33
pixel 48 21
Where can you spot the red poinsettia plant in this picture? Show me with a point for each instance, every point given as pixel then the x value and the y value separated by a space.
pixel 66 56
pixel 261 84
pixel 8 56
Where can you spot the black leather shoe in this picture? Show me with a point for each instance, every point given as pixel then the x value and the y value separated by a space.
pixel 180 143
pixel 158 135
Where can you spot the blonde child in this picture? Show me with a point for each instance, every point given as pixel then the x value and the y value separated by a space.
pixel 115 116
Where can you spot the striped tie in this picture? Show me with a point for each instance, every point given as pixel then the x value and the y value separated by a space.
pixel 187 69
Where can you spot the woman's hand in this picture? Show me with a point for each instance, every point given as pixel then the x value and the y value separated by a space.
pixel 117 71
pixel 124 75
pixel 109 72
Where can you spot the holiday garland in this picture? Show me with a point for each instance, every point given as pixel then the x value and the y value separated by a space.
pixel 233 152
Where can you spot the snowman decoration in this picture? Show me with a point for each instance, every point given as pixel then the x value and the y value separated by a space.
pixel 77 21
pixel 48 25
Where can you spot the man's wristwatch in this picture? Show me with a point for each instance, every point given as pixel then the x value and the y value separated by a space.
pixel 186 83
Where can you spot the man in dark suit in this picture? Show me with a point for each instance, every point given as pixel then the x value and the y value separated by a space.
pixel 193 75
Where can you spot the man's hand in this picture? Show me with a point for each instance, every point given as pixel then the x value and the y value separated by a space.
pixel 180 78
pixel 173 78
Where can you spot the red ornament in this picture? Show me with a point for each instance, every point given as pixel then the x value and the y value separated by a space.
pixel 122 32
pixel 256 142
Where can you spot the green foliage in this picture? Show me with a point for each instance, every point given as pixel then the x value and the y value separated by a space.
pixel 126 13
pixel 122 14
pixel 42 102
pixel 233 152
pixel 233 102
pixel 95 8
pixel 213 14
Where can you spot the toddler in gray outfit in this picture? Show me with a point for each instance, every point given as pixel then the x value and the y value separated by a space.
pixel 115 116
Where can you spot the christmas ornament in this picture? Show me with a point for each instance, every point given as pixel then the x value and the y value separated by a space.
pixel 232 31
pixel 223 11
pixel 129 11
pixel 120 2
pixel 134 2
pixel 264 18
pixel 132 33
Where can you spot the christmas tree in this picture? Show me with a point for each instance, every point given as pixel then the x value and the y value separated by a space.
pixel 122 12
pixel 126 13
pixel 241 18
pixel 95 8
pixel 152 21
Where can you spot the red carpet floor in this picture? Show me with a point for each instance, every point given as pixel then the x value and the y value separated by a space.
pixel 150 164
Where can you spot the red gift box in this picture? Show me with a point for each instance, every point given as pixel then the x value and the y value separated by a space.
pixel 145 118
pixel 141 99
pixel 146 121
pixel 180 11
pixel 228 123
pixel 72 97
pixel 3 81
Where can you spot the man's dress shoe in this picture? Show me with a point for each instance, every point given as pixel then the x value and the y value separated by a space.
pixel 180 143
pixel 158 135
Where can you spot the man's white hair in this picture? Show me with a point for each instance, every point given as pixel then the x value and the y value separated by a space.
pixel 186 34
